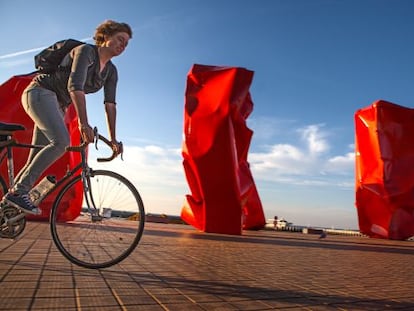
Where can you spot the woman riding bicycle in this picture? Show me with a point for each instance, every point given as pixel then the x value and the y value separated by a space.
pixel 47 97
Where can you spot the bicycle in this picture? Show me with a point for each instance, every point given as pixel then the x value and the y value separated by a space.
pixel 110 223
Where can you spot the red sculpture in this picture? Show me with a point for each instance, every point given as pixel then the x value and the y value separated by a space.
pixel 224 198
pixel 13 112
pixel 385 170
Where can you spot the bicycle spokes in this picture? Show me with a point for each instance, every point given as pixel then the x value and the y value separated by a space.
pixel 109 225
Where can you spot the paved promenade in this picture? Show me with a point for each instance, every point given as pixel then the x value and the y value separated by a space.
pixel 178 268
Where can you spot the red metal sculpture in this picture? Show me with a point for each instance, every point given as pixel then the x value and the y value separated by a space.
pixel 224 198
pixel 13 112
pixel 385 170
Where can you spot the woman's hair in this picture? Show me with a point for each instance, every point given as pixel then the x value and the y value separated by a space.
pixel 109 28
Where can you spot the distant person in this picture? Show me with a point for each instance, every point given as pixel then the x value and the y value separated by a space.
pixel 86 69
pixel 275 222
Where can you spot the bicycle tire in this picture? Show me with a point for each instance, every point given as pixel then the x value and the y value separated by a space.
pixel 94 244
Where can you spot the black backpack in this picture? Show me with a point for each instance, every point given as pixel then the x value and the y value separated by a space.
pixel 48 60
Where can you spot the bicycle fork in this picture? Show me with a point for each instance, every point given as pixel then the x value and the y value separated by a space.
pixel 87 192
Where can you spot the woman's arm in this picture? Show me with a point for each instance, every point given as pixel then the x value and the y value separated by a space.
pixel 83 57
pixel 79 101
pixel 110 111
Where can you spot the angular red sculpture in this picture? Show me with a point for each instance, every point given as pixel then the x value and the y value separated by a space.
pixel 224 198
pixel 13 112
pixel 384 182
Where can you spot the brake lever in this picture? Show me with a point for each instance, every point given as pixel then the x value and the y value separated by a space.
pixel 122 148
pixel 96 137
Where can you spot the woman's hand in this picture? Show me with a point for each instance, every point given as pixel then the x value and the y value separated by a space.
pixel 87 134
pixel 117 147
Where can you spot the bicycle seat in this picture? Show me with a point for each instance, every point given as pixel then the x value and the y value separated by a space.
pixel 11 127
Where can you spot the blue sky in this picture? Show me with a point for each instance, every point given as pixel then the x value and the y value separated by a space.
pixel 315 61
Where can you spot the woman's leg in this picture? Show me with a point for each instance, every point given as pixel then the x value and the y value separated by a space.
pixel 37 139
pixel 50 130
pixel 42 106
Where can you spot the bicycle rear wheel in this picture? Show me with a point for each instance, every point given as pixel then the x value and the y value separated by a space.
pixel 108 228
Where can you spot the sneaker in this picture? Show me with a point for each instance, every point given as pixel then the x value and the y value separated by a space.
pixel 22 202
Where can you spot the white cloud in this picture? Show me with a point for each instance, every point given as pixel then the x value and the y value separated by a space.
pixel 159 175
pixel 155 171
pixel 341 164
pixel 13 55
pixel 151 165
pixel 34 50
pixel 267 128
pixel 15 59
pixel 315 138
pixel 15 63
pixel 303 164
pixel 280 159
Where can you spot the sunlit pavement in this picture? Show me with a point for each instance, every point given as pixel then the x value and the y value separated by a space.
pixel 175 267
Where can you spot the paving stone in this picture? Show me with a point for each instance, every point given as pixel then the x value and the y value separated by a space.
pixel 176 267
pixel 15 303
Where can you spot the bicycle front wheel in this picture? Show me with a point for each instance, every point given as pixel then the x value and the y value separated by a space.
pixel 110 223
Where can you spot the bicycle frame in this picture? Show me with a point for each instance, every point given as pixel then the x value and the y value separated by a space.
pixel 10 143
pixel 7 152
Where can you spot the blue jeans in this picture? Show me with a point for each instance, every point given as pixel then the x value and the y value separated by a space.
pixel 49 130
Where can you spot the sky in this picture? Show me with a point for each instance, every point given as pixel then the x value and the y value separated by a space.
pixel 315 63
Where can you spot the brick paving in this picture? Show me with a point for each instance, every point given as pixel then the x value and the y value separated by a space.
pixel 175 267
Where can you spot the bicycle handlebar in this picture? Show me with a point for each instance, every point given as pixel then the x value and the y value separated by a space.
pixel 97 137
pixel 106 141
